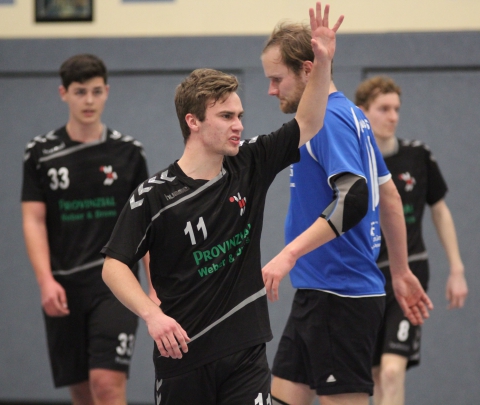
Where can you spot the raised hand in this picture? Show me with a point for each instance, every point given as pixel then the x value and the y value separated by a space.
pixel 323 38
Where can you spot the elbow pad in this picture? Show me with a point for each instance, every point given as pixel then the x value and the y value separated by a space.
pixel 349 205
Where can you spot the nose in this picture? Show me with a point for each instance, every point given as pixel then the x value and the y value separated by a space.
pixel 393 115
pixel 272 89
pixel 237 125
pixel 89 98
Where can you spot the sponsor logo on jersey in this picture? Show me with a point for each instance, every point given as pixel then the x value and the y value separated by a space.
pixel 111 176
pixel 408 179
pixel 176 193
pixel 222 254
pixel 54 149
pixel 87 209
pixel 242 202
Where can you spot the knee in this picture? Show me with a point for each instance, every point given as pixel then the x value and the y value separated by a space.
pixel 392 375
pixel 107 387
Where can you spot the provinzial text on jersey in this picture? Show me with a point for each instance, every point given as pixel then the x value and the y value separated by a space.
pixel 237 242
pixel 87 209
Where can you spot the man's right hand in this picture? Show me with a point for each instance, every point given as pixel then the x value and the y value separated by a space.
pixel 54 299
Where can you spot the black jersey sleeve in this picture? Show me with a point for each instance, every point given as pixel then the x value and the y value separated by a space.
pixel 436 185
pixel 32 183
pixel 129 240
pixel 276 151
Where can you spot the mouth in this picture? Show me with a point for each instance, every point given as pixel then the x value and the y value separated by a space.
pixel 235 140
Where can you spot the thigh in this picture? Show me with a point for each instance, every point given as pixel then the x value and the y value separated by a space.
pixel 245 378
pixel 353 325
pixel 328 342
pixel 111 334
pixel 242 378
pixel 67 344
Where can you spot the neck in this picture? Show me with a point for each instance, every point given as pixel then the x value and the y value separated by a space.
pixel 387 146
pixel 198 166
pixel 332 88
pixel 84 133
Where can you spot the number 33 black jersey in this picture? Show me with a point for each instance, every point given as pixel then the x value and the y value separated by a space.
pixel 84 187
pixel 204 243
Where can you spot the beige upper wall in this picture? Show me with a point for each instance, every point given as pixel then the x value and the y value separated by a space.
pixel 113 18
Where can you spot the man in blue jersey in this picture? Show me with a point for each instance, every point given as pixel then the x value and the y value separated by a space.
pixel 341 192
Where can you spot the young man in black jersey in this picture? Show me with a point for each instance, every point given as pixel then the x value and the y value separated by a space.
pixel 419 181
pixel 201 220
pixel 76 180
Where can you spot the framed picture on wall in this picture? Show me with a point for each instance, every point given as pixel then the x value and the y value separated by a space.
pixel 63 10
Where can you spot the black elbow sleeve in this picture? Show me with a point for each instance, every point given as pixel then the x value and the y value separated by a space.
pixel 356 204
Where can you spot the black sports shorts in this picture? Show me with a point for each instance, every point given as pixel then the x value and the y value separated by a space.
pixel 397 335
pixel 242 378
pixel 98 333
pixel 328 342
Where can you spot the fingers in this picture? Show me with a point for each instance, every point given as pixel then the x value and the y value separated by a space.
pixel 338 23
pixel 272 291
pixel 325 14
pixel 456 301
pixel 173 344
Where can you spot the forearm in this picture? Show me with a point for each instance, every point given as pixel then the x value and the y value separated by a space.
pixel 122 282
pixel 313 237
pixel 36 241
pixel 311 109
pixel 392 222
pixel 443 221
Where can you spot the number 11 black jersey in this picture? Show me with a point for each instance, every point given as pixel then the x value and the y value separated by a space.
pixel 204 243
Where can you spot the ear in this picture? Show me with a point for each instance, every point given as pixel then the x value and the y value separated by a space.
pixel 107 89
pixel 307 67
pixel 192 122
pixel 63 92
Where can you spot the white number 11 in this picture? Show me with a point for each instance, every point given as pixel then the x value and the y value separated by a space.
pixel 200 226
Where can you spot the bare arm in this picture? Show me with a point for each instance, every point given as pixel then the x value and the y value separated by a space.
pixel 53 297
pixel 151 291
pixel 409 293
pixel 456 288
pixel 312 106
pixel 167 333
pixel 274 271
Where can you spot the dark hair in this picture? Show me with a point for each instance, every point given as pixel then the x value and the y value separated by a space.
pixel 370 89
pixel 80 68
pixel 202 86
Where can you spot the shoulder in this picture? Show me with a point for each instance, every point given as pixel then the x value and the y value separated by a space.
pixel 117 137
pixel 414 145
pixel 45 144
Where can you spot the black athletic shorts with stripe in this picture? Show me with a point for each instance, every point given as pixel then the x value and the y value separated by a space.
pixel 397 335
pixel 328 342
pixel 99 333
pixel 242 378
